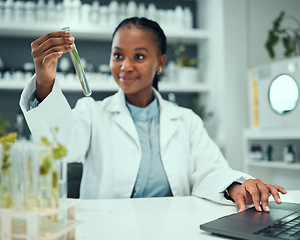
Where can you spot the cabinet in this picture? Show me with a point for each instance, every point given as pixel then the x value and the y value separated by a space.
pixel 22 30
pixel 276 171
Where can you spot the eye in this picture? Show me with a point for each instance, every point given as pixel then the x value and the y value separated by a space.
pixel 117 56
pixel 139 56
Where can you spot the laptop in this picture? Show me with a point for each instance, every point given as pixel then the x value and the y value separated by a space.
pixel 282 222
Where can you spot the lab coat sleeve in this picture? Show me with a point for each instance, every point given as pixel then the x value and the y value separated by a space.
pixel 54 112
pixel 212 174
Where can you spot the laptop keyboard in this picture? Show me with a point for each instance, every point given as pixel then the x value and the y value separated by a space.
pixel 285 228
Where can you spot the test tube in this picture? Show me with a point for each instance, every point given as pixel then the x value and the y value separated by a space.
pixel 79 69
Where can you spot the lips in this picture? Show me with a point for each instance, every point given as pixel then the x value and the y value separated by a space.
pixel 127 78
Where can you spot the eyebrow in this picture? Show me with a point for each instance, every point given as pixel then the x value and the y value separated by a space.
pixel 141 48
pixel 137 49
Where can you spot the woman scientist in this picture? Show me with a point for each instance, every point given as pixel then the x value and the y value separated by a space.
pixel 135 144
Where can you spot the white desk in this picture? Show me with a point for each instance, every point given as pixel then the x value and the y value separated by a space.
pixel 151 218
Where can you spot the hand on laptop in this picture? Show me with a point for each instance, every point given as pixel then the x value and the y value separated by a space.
pixel 254 191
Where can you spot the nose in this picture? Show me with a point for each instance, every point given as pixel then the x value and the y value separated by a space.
pixel 127 65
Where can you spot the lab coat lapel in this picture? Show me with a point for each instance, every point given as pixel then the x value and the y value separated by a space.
pixel 122 117
pixel 169 116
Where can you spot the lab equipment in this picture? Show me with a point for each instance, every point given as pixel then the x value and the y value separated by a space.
pixel 79 69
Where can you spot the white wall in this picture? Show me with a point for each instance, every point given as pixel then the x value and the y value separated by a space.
pixel 235 118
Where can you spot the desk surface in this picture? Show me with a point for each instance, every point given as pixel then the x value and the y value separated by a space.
pixel 151 218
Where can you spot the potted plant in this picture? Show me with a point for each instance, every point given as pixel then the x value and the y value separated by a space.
pixel 187 71
pixel 289 36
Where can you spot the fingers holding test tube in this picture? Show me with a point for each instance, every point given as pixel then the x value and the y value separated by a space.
pixel 45 52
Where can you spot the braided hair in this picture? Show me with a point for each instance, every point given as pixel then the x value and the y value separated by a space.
pixel 158 33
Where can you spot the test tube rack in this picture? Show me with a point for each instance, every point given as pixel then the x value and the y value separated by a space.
pixel 31 219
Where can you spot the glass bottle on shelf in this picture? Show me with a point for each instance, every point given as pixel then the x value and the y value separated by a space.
pixel 289 155
pixel 269 153
pixel 256 152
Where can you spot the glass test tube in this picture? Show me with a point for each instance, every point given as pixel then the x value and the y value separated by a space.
pixel 79 69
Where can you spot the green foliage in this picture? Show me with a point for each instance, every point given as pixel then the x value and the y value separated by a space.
pixel 46 165
pixel 45 142
pixel 3 125
pixel 7 142
pixel 182 60
pixel 58 151
pixel 6 200
pixel 286 35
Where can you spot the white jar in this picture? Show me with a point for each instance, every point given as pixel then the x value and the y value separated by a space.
pixel 162 18
pixel 187 75
pixel 122 11
pixel 29 11
pixel 103 16
pixel 51 11
pixel 152 12
pixel 170 19
pixel 18 76
pixel 142 10
pixel 59 12
pixel 94 17
pixel 41 11
pixel 67 12
pixel 85 14
pixel 179 17
pixel 8 11
pixel 131 9
pixel 19 11
pixel 76 17
pixel 113 8
pixel 1 10
pixel 188 16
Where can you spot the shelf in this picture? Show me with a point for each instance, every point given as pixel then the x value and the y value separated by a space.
pixel 96 33
pixel 275 164
pixel 278 134
pixel 111 86
pixel 176 87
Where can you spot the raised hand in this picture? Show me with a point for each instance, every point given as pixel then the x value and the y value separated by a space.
pixel 45 52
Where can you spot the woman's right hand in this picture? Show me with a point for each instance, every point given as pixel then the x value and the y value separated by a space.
pixel 45 52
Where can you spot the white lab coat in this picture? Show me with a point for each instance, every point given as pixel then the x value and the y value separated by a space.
pixel 103 133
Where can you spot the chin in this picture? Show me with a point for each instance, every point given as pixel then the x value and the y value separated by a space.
pixel 127 88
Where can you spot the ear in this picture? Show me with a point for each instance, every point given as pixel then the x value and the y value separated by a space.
pixel 162 60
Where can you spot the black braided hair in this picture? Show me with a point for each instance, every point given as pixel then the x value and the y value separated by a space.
pixel 158 33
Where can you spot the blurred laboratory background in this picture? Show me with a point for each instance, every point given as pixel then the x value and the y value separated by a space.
pixel 234 62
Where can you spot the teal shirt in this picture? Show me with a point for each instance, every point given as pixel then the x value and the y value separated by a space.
pixel 151 180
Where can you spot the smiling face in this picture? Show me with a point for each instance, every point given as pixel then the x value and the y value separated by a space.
pixel 134 60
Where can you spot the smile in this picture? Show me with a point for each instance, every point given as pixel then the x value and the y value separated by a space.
pixel 127 79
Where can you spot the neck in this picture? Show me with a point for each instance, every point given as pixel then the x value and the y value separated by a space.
pixel 140 100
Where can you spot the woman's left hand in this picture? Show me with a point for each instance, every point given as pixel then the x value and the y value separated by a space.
pixel 254 191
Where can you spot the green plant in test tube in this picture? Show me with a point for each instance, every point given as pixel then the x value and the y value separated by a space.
pixel 79 69
pixel 6 200
pixel 51 168
pixel 50 161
